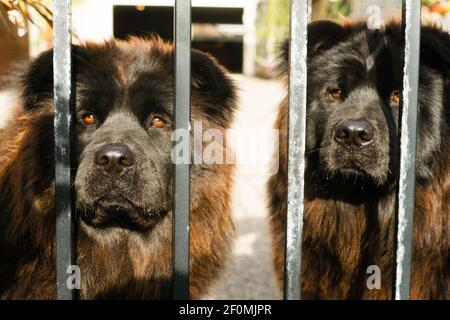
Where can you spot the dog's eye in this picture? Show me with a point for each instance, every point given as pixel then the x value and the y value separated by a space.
pixel 336 93
pixel 158 122
pixel 395 96
pixel 88 119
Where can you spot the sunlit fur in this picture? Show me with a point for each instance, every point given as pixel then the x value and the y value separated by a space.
pixel 122 83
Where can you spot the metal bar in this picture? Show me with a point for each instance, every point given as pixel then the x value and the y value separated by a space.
pixel 62 131
pixel 408 133
pixel 182 39
pixel 297 133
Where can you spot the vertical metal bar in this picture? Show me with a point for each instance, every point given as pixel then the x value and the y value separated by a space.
pixel 62 122
pixel 296 162
pixel 182 38
pixel 406 192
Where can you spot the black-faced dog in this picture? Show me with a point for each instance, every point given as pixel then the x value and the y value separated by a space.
pixel 123 123
pixel 354 97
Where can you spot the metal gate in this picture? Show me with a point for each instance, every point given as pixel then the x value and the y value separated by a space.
pixel 296 163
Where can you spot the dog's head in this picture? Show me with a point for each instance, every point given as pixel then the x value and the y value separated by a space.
pixel 354 97
pixel 124 98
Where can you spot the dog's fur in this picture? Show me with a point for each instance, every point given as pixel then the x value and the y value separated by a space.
pixel 124 224
pixel 350 194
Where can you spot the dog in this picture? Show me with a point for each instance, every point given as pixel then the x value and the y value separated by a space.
pixel 352 163
pixel 122 128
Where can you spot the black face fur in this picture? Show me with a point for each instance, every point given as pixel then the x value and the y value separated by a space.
pixel 122 160
pixel 354 88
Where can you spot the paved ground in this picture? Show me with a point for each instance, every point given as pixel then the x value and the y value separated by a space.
pixel 249 275
pixel 7 103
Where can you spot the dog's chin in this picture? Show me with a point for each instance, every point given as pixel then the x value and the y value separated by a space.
pixel 355 174
pixel 118 212
pixel 358 177
pixel 355 169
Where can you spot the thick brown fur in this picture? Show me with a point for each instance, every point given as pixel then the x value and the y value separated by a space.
pixel 117 263
pixel 346 230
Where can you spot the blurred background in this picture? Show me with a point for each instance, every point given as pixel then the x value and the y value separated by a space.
pixel 244 35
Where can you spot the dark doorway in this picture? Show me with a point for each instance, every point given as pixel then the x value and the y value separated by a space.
pixel 217 31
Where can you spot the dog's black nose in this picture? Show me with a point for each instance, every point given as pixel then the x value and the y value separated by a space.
pixel 114 158
pixel 357 133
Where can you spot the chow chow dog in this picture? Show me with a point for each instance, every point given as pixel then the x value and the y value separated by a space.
pixel 352 147
pixel 123 121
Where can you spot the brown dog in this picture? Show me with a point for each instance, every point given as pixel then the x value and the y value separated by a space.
pixel 123 176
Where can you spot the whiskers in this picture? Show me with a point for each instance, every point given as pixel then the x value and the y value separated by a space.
pixel 308 152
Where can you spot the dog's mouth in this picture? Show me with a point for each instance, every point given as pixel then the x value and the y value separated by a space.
pixel 350 170
pixel 354 166
pixel 119 212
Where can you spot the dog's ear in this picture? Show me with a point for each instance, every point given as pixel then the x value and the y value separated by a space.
pixel 211 81
pixel 209 77
pixel 322 35
pixel 37 81
pixel 435 49
pixel 434 45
